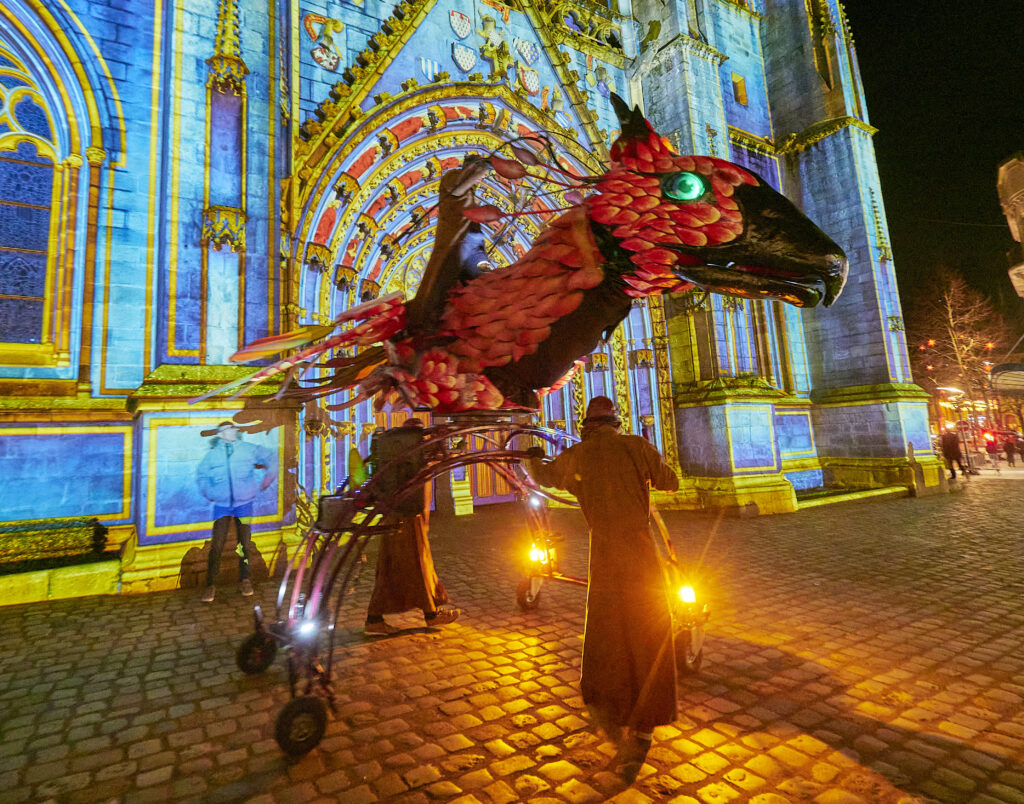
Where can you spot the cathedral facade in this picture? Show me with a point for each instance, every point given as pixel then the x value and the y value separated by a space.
pixel 178 179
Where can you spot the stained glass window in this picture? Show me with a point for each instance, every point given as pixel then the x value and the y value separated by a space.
pixel 26 198
pixel 26 183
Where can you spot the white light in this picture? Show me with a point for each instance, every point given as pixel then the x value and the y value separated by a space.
pixel 307 628
pixel 535 502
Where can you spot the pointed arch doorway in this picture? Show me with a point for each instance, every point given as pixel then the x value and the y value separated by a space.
pixel 364 226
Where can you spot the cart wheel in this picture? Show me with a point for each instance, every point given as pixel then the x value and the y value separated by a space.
pixel 256 653
pixel 527 599
pixel 690 649
pixel 301 725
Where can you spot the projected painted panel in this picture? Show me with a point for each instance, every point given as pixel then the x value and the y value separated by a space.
pixel 752 442
pixel 794 434
pixel 915 428
pixel 175 508
pixel 65 471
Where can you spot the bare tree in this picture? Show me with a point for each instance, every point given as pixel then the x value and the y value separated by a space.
pixel 952 331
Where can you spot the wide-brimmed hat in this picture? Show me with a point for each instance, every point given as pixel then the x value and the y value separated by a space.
pixel 601 409
pixel 220 428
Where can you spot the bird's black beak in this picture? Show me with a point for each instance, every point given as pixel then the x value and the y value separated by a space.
pixel 780 254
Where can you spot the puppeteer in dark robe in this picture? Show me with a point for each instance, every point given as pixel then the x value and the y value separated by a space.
pixel 405 578
pixel 628 674
pixel 405 571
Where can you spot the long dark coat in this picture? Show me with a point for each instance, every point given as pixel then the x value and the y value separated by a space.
pixel 628 672
pixel 950 443
pixel 406 578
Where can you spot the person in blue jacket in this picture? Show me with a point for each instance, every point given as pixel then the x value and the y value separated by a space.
pixel 231 475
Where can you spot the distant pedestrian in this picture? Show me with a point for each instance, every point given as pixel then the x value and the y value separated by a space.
pixel 950 443
pixel 992 450
pixel 1010 448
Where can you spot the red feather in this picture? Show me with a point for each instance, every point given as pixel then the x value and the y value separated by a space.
pixel 508 168
pixel 484 214
pixel 525 156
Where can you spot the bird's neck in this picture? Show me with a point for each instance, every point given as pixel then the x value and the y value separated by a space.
pixel 573 229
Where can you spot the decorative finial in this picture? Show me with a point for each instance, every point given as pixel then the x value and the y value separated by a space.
pixel 227 70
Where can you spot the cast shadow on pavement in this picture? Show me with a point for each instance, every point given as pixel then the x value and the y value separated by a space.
pixel 786 705
pixel 192 573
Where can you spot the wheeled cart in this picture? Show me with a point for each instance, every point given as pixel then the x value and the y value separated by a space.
pixel 326 562
pixel 689 616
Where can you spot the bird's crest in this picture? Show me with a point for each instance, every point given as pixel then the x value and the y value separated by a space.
pixel 636 135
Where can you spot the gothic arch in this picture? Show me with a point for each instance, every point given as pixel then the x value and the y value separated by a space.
pixel 55 130
pixel 382 177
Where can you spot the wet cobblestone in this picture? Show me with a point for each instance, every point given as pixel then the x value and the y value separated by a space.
pixel 866 652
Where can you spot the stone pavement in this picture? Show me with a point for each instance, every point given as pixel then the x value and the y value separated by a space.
pixel 861 652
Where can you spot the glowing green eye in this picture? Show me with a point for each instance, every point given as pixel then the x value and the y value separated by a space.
pixel 683 186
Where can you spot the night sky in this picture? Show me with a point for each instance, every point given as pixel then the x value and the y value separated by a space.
pixel 945 87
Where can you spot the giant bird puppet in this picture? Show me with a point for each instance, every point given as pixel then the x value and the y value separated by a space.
pixel 655 222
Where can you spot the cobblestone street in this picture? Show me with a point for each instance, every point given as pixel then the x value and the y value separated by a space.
pixel 857 652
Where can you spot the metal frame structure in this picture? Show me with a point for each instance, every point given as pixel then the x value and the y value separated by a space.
pixel 327 561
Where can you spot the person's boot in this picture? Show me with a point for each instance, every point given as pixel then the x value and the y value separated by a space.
pixel 612 730
pixel 380 627
pixel 442 617
pixel 245 587
pixel 208 594
pixel 630 758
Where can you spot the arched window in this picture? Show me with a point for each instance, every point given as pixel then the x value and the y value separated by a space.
pixel 26 198
pixel 32 237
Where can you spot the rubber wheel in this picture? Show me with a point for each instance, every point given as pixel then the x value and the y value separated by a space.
pixel 688 660
pixel 256 654
pixel 301 725
pixel 526 601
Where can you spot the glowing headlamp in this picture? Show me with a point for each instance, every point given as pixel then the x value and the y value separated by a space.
pixel 539 555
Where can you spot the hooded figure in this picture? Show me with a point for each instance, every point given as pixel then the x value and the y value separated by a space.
pixel 405 577
pixel 628 678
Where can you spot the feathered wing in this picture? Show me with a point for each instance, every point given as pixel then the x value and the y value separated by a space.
pixel 377 321
pixel 275 344
pixel 494 320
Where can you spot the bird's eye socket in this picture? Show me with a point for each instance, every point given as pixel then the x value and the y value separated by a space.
pixel 684 186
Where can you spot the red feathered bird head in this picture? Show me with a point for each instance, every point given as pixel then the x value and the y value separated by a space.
pixel 674 222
